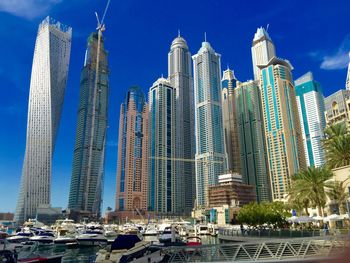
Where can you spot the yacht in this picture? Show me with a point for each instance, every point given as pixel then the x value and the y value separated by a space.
pixel 129 248
pixel 64 237
pixel 202 230
pixel 151 230
pixel 169 234
pixel 43 237
pixel 91 238
pixel 22 236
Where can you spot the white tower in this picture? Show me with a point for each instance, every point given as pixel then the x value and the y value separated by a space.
pixel 47 88
pixel 180 77
pixel 210 147
pixel 263 50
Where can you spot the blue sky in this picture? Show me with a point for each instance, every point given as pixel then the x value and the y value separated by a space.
pixel 313 35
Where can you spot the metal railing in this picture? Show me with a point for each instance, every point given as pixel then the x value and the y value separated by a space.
pixel 264 250
pixel 268 233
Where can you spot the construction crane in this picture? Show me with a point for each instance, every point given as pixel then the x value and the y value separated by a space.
pixel 100 28
pixel 206 161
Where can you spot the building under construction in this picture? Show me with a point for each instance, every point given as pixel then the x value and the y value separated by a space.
pixel 231 191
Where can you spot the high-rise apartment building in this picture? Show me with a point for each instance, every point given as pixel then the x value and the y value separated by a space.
pixel 210 146
pixel 311 109
pixel 47 88
pixel 229 121
pixel 162 182
pixel 263 50
pixel 337 108
pixel 251 138
pixel 133 156
pixel 180 77
pixel 284 145
pixel 89 151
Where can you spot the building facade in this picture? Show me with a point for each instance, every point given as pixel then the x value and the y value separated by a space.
pixel 210 147
pixel 162 181
pixel 86 186
pixel 311 109
pixel 228 83
pixel 180 77
pixel 263 50
pixel 251 138
pixel 132 167
pixel 284 145
pixel 337 108
pixel 47 89
pixel 231 191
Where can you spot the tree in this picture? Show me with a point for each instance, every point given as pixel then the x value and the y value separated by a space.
pixel 336 190
pixel 337 145
pixel 311 184
pixel 254 214
pixel 298 200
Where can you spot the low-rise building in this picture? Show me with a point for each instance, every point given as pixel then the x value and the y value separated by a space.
pixel 231 192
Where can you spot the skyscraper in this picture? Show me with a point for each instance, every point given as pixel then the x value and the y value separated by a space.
pixel 90 143
pixel 180 77
pixel 47 88
pixel 229 82
pixel 263 50
pixel 311 114
pixel 284 143
pixel 162 150
pixel 337 108
pixel 210 149
pixel 132 152
pixel 251 138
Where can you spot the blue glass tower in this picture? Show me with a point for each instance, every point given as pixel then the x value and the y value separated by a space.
pixel 210 149
pixel 311 114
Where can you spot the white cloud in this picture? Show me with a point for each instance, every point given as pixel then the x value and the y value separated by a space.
pixel 27 8
pixel 339 59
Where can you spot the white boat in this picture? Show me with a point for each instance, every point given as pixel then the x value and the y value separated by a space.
pixel 20 237
pixel 170 234
pixel 43 238
pixel 129 248
pixel 64 237
pixel 151 230
pixel 202 230
pixel 92 238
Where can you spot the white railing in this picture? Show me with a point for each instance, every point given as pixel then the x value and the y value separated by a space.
pixel 260 251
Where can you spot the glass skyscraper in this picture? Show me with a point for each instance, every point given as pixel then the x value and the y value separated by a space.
pixel 210 147
pixel 180 77
pixel 284 145
pixel 47 88
pixel 251 138
pixel 132 152
pixel 263 50
pixel 311 109
pixel 90 142
pixel 162 181
pixel 229 82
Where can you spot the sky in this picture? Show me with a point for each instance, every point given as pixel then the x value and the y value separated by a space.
pixel 312 35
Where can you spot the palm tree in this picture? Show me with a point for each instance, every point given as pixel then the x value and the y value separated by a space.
pixel 310 184
pixel 337 145
pixel 298 200
pixel 336 190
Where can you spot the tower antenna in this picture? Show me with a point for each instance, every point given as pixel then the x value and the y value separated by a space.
pixel 267 27
pixel 205 36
